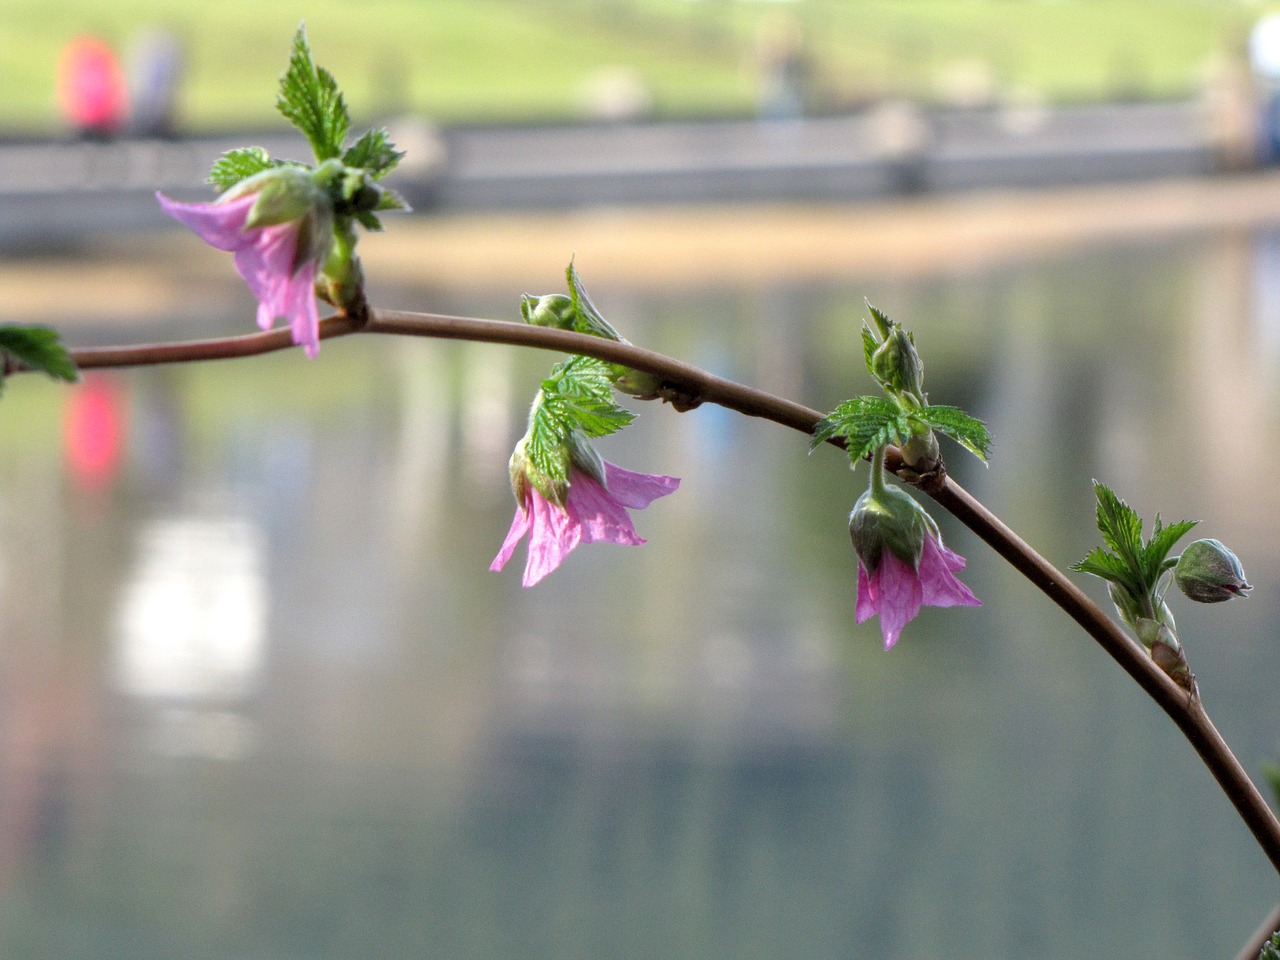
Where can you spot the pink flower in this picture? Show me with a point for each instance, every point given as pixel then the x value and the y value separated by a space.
pixel 896 591
pixel 592 513
pixel 278 260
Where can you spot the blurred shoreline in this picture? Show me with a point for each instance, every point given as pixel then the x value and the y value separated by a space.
pixel 122 278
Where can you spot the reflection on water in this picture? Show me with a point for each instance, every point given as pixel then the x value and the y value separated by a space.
pixel 260 697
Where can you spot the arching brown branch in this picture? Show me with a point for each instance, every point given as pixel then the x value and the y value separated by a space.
pixel 697 386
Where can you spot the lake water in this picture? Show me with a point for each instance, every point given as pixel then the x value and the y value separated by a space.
pixel 261 698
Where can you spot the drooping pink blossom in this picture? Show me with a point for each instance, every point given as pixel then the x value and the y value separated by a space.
pixel 592 513
pixel 267 257
pixel 897 592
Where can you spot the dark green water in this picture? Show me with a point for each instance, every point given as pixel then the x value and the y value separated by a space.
pixel 261 698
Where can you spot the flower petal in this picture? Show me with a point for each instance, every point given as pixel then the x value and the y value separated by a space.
pixel 866 608
pixel 941 588
pixel 519 527
pixel 600 515
pixel 555 534
pixel 637 490
pixel 897 593
pixel 220 225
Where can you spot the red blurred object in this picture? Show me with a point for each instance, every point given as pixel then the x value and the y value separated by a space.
pixel 93 432
pixel 91 87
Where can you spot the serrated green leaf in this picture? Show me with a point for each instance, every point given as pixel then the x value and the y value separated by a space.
pixel 577 397
pixel 309 98
pixel 546 445
pixel 38 348
pixel 587 318
pixel 587 389
pixel 1156 550
pixel 864 423
pixel 369 221
pixel 1099 563
pixel 235 166
pixel 970 432
pixel 883 323
pixel 1137 564
pixel 375 153
pixel 1120 526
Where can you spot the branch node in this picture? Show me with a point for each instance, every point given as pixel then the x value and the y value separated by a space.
pixel 679 396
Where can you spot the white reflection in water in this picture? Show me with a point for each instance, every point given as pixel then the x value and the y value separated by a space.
pixel 192 619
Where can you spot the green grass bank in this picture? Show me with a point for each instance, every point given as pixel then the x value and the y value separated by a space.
pixel 485 60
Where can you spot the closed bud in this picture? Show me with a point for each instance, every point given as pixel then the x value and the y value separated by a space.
pixel 921 452
pixel 898 367
pixel 554 310
pixel 887 518
pixel 1210 573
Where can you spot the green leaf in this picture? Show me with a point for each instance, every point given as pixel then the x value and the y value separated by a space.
pixel 586 390
pixel 375 153
pixel 1120 526
pixel 1099 563
pixel 869 344
pixel 39 348
pixel 235 166
pixel 588 319
pixel 883 323
pixel 970 432
pixel 864 423
pixel 390 200
pixel 310 99
pixel 1156 551
pixel 577 397
pixel 1137 564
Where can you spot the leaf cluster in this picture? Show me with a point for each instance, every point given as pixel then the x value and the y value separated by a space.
pixel 309 98
pixel 576 399
pixel 1132 562
pixel 38 348
pixel 867 423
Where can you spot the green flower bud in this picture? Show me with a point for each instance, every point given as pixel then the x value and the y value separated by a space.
pixel 898 367
pixel 554 310
pixel 887 518
pixel 921 452
pixel 1209 573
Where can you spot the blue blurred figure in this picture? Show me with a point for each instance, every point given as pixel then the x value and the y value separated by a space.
pixel 1264 59
pixel 155 71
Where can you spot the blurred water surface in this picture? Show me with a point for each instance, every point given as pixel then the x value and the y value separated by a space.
pixel 260 697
